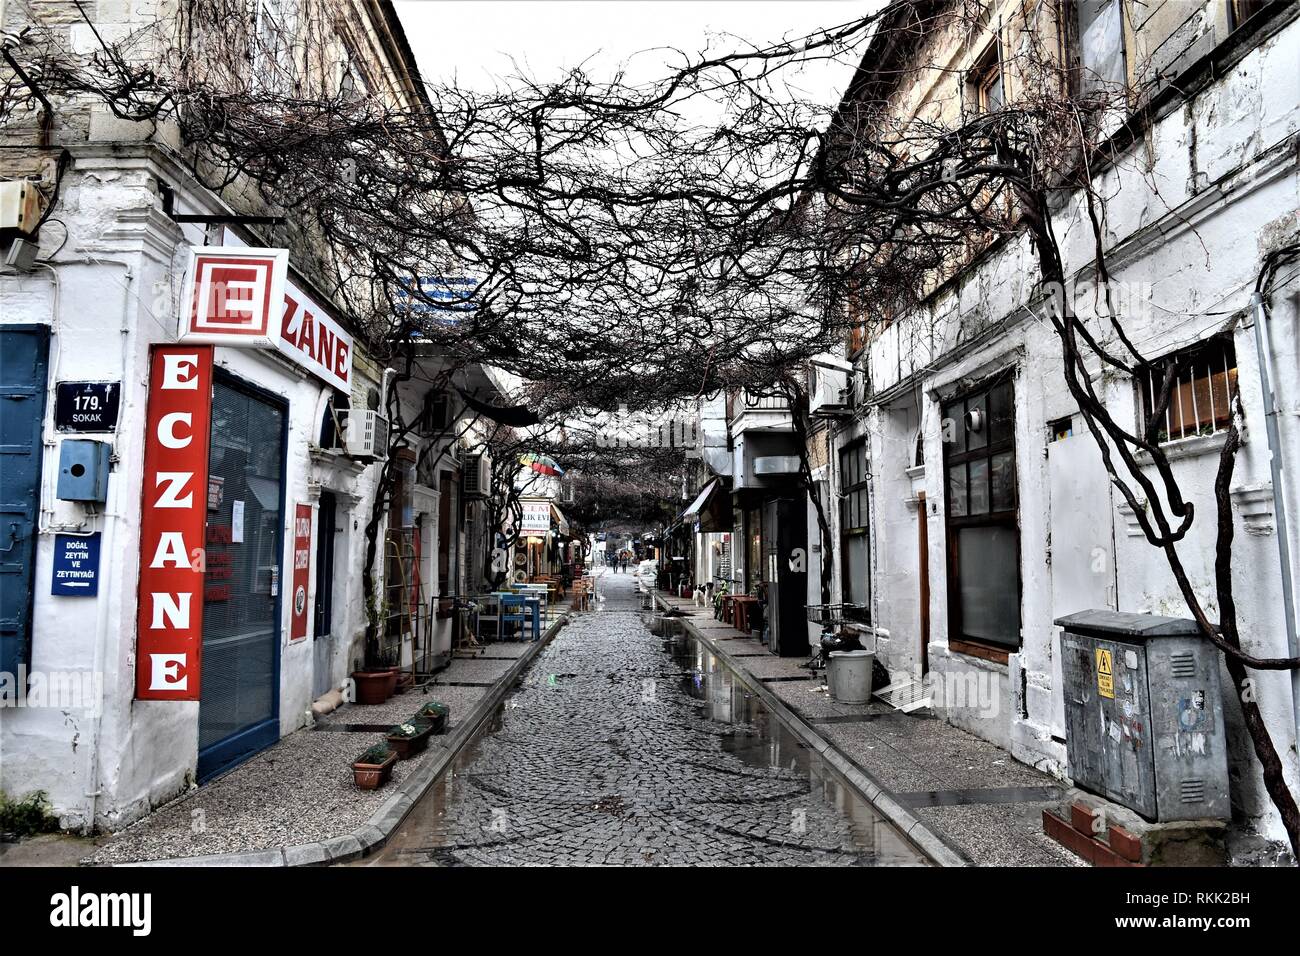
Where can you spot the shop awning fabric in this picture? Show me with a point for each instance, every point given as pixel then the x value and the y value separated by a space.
pixel 712 508
pixel 561 522
pixel 690 513
pixel 515 416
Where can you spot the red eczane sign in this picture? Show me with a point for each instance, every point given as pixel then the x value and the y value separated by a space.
pixel 314 340
pixel 169 628
pixel 301 570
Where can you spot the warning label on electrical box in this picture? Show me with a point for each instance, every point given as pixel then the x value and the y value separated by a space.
pixel 1105 673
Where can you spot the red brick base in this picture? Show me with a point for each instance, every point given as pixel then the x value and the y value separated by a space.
pixel 1123 849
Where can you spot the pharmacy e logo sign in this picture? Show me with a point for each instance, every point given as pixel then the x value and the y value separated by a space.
pixel 234 296
pixel 1105 673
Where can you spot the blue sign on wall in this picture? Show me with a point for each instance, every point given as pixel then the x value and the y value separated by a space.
pixel 76 565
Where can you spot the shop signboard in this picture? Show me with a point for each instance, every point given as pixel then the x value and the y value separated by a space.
pixel 536 518
pixel 169 626
pixel 305 332
pixel 76 565
pixel 439 298
pixel 309 337
pixel 301 571
pixel 232 296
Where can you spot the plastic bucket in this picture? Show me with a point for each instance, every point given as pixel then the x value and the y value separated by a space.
pixel 850 676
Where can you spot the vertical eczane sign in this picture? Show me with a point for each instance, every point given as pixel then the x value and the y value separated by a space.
pixel 169 631
pixel 301 570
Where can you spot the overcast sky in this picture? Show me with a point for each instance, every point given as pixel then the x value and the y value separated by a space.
pixel 474 41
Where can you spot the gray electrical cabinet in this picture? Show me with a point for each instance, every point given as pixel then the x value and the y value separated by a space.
pixel 1144 714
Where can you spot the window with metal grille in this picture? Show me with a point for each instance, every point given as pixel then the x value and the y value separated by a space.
pixel 1201 385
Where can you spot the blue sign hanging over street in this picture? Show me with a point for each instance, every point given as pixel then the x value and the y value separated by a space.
pixel 76 565
pixel 438 297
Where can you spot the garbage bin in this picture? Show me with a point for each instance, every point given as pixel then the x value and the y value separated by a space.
pixel 850 676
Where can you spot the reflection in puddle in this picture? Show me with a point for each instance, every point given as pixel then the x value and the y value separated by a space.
pixel 768 794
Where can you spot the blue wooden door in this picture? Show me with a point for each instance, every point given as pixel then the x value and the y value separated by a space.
pixel 24 363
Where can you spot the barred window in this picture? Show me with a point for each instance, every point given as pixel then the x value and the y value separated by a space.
pixel 1200 394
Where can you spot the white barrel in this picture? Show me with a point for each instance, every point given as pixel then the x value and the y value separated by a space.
pixel 850 676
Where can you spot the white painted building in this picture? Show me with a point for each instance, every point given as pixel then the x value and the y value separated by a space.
pixel 1207 190
pixel 283 619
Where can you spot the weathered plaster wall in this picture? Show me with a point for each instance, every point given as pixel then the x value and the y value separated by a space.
pixel 1189 215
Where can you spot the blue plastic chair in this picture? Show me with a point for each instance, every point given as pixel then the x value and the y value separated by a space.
pixel 534 605
pixel 514 610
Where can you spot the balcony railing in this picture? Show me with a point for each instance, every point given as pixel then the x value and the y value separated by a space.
pixel 746 401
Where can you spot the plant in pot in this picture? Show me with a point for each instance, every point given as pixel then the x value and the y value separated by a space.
pixel 373 767
pixel 410 738
pixel 436 713
pixel 377 678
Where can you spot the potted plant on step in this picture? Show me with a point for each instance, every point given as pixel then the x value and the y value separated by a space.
pixel 436 713
pixel 373 767
pixel 410 738
pixel 377 679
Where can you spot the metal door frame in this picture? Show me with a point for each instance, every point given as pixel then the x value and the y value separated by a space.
pixel 29 545
pixel 231 751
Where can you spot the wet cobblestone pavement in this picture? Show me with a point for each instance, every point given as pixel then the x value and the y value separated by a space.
pixel 623 748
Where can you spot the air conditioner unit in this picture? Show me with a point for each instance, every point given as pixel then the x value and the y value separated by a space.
pixel 476 476
pixel 365 433
pixel 829 394
pixel 21 207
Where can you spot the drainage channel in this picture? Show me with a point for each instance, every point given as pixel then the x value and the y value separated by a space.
pixel 630 743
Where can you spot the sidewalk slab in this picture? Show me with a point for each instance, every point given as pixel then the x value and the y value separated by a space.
pixel 295 803
pixel 961 799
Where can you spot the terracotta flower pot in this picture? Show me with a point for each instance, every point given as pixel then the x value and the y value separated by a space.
pixel 372 776
pixel 406 747
pixel 375 687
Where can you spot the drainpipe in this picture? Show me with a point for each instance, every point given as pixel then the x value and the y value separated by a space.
pixel 111 514
pixel 1271 415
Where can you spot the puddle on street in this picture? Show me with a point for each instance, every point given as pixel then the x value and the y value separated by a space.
pixel 760 740
pixel 747 732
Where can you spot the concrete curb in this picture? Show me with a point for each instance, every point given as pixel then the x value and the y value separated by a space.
pixel 385 821
pixel 931 842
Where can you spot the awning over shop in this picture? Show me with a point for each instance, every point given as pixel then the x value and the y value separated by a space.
pixel 515 416
pixel 711 508
pixel 561 522
pixel 694 509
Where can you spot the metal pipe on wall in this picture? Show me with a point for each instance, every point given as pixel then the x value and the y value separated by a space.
pixel 1273 433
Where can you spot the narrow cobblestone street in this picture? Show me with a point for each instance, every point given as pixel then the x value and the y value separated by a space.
pixel 624 748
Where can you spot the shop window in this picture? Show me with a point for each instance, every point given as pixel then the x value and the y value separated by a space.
pixel 754 564
pixel 1200 395
pixel 855 520
pixel 983 535
pixel 448 508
